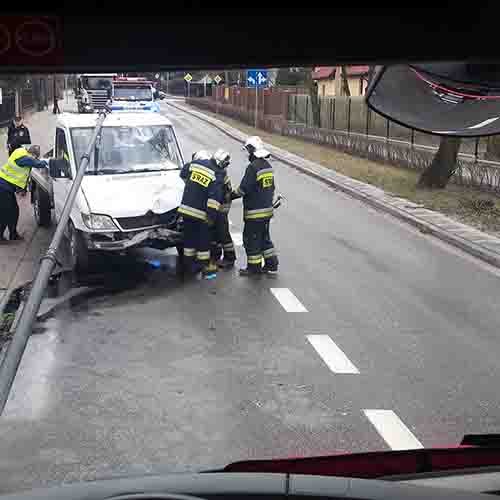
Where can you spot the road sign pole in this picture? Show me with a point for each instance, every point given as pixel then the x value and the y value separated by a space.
pixel 189 90
pixel 256 105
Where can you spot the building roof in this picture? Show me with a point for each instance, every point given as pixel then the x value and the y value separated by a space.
pixel 74 120
pixel 357 70
pixel 324 72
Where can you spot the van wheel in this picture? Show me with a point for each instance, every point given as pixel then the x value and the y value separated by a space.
pixel 41 207
pixel 78 251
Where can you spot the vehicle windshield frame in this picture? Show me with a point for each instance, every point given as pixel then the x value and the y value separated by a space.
pixel 173 162
pixel 131 89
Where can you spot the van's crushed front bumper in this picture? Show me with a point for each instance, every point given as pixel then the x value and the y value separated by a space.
pixel 110 242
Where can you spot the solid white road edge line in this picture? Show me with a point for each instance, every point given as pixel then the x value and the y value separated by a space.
pixel 331 354
pixel 393 430
pixel 288 300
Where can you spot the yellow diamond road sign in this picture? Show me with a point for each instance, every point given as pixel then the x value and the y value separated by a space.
pixel 188 77
pixel 217 79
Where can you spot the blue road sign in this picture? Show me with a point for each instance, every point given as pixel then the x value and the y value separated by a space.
pixel 257 78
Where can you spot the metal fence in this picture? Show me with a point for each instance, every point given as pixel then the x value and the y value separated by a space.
pixel 348 125
pixel 352 116
pixel 8 106
pixel 7 109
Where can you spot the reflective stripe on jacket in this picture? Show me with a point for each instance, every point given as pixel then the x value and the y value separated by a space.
pixel 257 188
pixel 202 196
pixel 14 173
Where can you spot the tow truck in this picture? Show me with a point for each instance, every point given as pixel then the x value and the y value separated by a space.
pixel 133 94
pixel 93 91
pixel 130 191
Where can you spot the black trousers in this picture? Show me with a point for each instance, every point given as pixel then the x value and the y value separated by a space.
pixel 221 240
pixel 196 244
pixel 258 245
pixel 9 213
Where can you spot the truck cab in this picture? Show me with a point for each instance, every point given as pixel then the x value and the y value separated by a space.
pixel 93 91
pixel 131 190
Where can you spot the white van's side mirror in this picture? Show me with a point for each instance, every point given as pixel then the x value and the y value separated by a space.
pixel 59 168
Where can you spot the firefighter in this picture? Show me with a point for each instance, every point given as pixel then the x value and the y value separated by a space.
pixel 202 154
pixel 199 208
pixel 14 177
pixel 222 244
pixel 257 190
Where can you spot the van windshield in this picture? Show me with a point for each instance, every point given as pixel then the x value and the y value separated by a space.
pixel 130 149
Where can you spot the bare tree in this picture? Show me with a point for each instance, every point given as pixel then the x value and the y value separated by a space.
pixel 443 166
pixel 312 88
pixel 345 90
pixel 370 75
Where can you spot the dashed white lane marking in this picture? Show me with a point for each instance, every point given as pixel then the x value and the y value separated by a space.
pixel 331 354
pixel 392 430
pixel 237 239
pixel 288 300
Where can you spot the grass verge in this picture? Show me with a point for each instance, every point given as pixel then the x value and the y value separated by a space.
pixel 458 202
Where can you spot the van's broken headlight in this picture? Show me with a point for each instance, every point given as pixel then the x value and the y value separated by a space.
pixel 96 221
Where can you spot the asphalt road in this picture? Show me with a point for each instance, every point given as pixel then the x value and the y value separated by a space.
pixel 396 345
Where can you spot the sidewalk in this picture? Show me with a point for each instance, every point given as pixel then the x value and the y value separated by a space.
pixel 19 260
pixel 477 243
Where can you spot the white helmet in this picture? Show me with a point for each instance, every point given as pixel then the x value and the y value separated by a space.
pixel 261 153
pixel 202 154
pixel 254 142
pixel 222 158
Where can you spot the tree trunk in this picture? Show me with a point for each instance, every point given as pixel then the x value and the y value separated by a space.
pixel 443 166
pixel 345 82
pixel 369 76
pixel 313 95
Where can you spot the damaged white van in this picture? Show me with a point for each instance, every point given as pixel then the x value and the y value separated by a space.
pixel 131 190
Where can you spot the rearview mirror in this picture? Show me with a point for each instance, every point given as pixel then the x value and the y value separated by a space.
pixel 59 169
pixel 461 100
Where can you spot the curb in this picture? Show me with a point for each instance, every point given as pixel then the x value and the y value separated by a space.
pixel 463 244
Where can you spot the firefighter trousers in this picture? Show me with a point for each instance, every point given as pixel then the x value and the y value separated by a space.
pixel 258 246
pixel 222 242
pixel 9 213
pixel 196 244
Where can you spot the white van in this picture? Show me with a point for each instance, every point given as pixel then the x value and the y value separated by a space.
pixel 131 190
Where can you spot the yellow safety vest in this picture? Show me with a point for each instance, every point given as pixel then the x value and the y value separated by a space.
pixel 12 172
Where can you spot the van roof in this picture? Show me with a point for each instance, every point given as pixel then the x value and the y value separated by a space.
pixel 79 120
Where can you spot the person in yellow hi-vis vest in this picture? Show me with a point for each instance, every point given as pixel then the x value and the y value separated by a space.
pixel 14 176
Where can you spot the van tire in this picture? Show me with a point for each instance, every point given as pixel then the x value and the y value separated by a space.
pixel 41 207
pixel 78 251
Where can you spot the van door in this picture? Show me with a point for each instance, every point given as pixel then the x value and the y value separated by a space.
pixel 61 185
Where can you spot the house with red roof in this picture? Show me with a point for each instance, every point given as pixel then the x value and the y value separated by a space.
pixel 329 80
